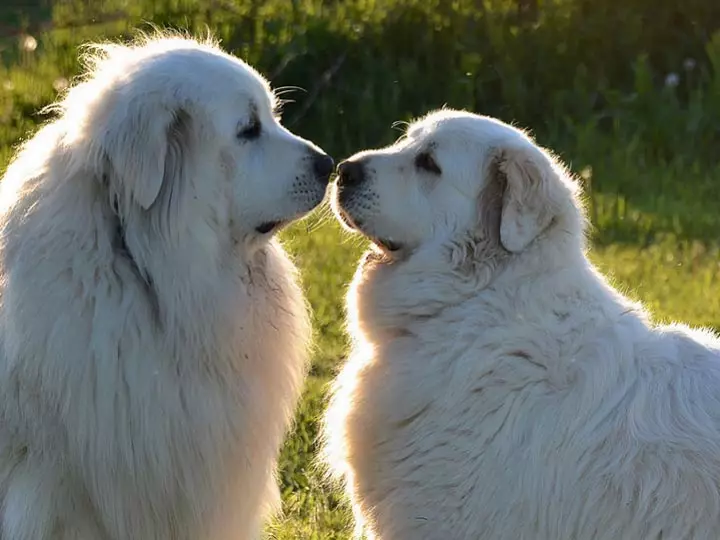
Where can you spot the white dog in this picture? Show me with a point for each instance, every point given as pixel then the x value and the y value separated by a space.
pixel 153 334
pixel 499 387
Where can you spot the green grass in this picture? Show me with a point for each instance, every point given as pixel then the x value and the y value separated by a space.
pixel 647 154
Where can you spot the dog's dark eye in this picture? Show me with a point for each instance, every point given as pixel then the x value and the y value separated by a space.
pixel 251 131
pixel 425 162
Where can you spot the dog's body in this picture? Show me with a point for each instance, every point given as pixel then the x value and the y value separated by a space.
pixel 153 333
pixel 499 387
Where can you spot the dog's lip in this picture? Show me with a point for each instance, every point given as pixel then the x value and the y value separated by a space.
pixel 386 244
pixel 269 226
pixel 273 225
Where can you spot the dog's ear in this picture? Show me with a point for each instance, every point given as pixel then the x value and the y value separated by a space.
pixel 528 202
pixel 145 149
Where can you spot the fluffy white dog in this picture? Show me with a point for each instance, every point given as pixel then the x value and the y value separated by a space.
pixel 499 387
pixel 153 334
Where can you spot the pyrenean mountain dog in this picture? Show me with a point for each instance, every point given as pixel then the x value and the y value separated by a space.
pixel 153 334
pixel 499 387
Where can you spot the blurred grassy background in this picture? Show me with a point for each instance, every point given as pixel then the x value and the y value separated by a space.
pixel 626 91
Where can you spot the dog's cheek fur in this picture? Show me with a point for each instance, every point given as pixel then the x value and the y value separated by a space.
pixel 478 253
pixel 398 292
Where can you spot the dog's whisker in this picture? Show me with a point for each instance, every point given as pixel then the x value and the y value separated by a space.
pixel 282 90
pixel 400 125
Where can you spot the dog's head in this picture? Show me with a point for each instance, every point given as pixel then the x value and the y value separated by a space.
pixel 455 176
pixel 176 126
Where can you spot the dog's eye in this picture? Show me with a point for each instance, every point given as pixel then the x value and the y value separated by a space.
pixel 425 162
pixel 251 131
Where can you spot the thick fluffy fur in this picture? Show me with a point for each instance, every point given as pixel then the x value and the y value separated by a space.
pixel 499 388
pixel 153 333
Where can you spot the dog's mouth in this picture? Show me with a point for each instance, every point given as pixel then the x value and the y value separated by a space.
pixel 269 226
pixel 386 244
pixel 274 225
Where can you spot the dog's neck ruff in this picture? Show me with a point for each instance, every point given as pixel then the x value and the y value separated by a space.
pixel 394 296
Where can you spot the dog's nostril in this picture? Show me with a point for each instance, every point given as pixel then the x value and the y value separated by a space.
pixel 323 166
pixel 350 173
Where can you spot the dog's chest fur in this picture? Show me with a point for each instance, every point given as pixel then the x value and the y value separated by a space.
pixel 438 420
pixel 540 421
pixel 180 419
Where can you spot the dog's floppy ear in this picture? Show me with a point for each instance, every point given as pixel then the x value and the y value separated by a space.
pixel 528 204
pixel 144 149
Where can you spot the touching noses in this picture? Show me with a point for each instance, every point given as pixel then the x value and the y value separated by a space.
pixel 350 173
pixel 323 166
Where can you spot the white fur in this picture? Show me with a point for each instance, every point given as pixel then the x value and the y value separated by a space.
pixel 499 388
pixel 153 342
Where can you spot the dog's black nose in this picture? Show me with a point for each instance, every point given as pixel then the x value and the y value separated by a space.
pixel 350 173
pixel 323 166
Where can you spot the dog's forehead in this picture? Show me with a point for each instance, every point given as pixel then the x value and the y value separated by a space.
pixel 240 80
pixel 443 127
pixel 254 95
pixel 447 125
pixel 222 75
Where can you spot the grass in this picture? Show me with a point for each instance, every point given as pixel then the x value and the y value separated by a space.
pixel 648 158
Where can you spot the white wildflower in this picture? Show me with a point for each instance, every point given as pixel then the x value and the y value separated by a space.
pixel 60 84
pixel 672 80
pixel 28 43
